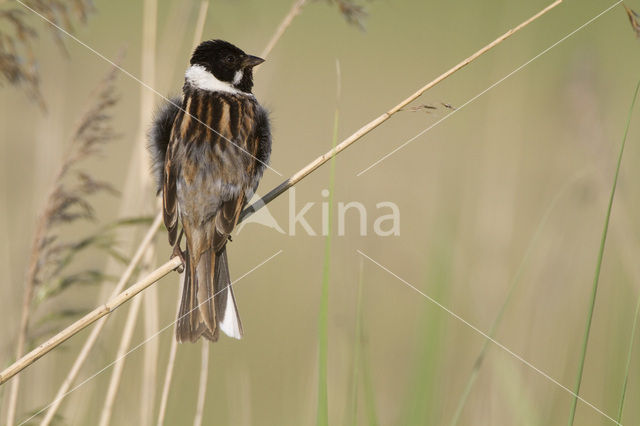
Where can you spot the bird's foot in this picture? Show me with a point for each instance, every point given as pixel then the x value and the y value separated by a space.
pixel 179 253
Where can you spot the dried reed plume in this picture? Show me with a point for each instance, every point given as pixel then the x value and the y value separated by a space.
pixel 18 64
pixel 66 203
pixel 352 12
pixel 633 19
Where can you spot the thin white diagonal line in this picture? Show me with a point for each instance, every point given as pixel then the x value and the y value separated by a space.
pixel 144 342
pixel 488 89
pixel 485 335
pixel 100 55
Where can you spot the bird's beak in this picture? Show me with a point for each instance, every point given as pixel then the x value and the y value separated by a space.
pixel 251 61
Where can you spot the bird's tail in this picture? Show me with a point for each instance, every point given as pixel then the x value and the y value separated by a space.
pixel 207 302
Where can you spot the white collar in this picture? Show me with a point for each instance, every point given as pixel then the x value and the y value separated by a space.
pixel 202 79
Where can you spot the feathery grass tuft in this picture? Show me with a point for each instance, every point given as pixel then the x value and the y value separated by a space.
pixel 67 203
pixel 18 64
pixel 633 19
pixel 352 12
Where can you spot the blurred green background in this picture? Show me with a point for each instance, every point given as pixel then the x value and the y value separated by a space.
pixel 471 192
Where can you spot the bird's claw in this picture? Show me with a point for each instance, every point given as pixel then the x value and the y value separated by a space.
pixel 179 253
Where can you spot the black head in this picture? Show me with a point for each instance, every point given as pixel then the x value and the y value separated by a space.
pixel 227 63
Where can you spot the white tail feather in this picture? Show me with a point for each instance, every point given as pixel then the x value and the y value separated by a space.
pixel 229 324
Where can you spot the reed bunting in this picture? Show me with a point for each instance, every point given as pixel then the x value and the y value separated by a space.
pixel 209 150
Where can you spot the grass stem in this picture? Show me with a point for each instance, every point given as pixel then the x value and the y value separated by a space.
pixel 628 365
pixel 357 346
pixel 169 373
pixel 596 278
pixel 322 418
pixel 202 389
pixel 512 287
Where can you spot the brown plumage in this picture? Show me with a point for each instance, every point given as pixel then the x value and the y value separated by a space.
pixel 219 144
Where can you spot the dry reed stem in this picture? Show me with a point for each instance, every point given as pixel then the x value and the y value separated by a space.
pixel 86 137
pixel 88 319
pixel 150 362
pixel 202 390
pixel 135 195
pixel 127 335
pixel 24 323
pixel 30 283
pixel 169 373
pixel 384 117
pixel 293 12
pixel 202 17
pixel 95 333
pixel 172 39
pixel 150 365
pixel 149 30
pixel 149 44
pixel 151 308
pixel 297 177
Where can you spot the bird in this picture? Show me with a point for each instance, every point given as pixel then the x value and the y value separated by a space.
pixel 209 150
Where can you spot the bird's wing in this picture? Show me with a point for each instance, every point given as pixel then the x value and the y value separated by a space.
pixel 262 139
pixel 226 220
pixel 169 195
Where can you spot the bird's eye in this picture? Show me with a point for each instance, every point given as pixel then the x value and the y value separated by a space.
pixel 230 59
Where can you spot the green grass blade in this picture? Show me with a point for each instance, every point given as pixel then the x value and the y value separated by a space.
pixel 512 287
pixel 369 395
pixel 423 407
pixel 628 366
pixel 596 278
pixel 322 418
pixel 352 417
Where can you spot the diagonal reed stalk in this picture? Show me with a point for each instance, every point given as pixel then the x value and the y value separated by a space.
pixel 125 342
pixel 24 319
pixel 596 278
pixel 309 168
pixel 169 266
pixel 95 332
pixel 286 22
